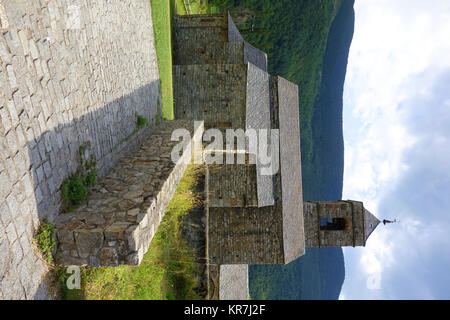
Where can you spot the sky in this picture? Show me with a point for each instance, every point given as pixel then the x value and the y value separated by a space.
pixel 397 148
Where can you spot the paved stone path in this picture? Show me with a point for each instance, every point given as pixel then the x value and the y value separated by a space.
pixel 71 73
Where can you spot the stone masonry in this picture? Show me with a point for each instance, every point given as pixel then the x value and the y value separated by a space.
pixel 72 73
pixel 321 228
pixel 252 218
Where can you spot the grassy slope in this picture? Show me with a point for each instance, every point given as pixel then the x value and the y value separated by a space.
pixel 167 270
pixel 195 6
pixel 161 13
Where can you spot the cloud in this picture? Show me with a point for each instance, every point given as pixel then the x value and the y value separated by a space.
pixel 396 132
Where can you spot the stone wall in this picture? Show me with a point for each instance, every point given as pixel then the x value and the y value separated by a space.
pixel 212 39
pixel 71 73
pixel 228 282
pixel 245 235
pixel 197 52
pixel 213 93
pixel 213 285
pixel 231 185
pixel 351 211
pixel 201 29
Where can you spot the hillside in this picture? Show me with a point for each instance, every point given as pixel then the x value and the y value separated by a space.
pixel 307 43
pixel 324 178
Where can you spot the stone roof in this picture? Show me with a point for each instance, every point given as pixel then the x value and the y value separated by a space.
pixel 290 168
pixel 258 117
pixel 251 54
pixel 233 283
pixel 255 56
pixel 370 223
pixel 233 33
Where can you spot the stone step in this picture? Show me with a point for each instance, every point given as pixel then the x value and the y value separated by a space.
pixel 118 222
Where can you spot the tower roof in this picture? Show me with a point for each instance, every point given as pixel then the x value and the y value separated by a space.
pixel 370 223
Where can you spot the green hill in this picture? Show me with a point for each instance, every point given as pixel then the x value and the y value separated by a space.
pixel 307 42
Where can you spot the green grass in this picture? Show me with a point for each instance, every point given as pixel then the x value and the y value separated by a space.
pixel 45 241
pixel 211 8
pixel 161 13
pixel 167 271
pixel 180 8
pixel 141 121
pixel 196 6
pixel 74 189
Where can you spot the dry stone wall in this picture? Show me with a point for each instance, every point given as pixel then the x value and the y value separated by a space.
pixel 118 222
pixel 71 73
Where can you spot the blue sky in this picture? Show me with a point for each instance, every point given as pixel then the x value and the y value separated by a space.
pixel 397 148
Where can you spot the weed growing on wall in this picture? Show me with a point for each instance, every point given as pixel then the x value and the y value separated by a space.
pixel 158 117
pixel 141 121
pixel 45 241
pixel 75 188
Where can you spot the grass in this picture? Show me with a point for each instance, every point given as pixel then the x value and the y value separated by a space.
pixel 195 6
pixel 180 8
pixel 74 189
pixel 162 11
pixel 167 271
pixel 45 241
pixel 141 121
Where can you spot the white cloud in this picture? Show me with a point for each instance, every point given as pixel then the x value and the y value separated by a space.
pixel 394 42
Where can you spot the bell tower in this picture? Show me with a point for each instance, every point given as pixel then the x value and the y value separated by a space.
pixel 337 224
